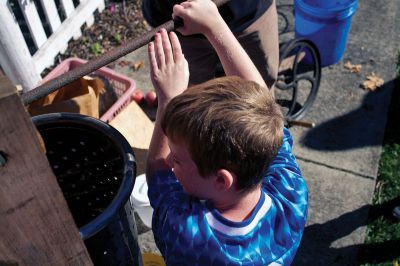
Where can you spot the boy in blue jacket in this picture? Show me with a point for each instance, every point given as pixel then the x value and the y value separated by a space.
pixel 223 182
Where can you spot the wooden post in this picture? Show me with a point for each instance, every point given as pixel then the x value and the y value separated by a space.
pixel 36 227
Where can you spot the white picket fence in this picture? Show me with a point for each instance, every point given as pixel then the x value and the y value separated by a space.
pixel 15 59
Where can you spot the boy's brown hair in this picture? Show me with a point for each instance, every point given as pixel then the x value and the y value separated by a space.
pixel 227 123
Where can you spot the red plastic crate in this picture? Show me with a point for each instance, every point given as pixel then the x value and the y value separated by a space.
pixel 122 85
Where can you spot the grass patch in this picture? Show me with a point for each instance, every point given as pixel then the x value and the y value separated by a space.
pixel 382 243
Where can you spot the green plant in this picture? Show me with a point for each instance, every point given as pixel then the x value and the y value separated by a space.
pixel 383 232
pixel 85 39
pixel 382 240
pixel 117 38
pixel 96 49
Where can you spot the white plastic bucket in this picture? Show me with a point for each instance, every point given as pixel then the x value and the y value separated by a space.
pixel 140 200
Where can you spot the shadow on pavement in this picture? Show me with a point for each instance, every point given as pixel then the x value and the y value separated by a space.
pixel 355 129
pixel 316 246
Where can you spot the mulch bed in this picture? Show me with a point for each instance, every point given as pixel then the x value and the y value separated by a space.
pixel 119 22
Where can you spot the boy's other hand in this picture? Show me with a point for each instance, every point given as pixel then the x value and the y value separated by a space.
pixel 168 66
pixel 199 16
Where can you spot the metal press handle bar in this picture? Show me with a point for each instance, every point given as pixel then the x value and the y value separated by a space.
pixel 103 60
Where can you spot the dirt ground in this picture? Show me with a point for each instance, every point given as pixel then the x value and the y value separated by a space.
pixel 119 22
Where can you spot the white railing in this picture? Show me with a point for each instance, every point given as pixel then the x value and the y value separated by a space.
pixel 15 59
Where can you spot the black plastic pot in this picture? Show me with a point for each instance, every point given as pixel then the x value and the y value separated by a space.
pixel 96 169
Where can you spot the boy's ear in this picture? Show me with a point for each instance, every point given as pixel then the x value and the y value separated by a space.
pixel 224 179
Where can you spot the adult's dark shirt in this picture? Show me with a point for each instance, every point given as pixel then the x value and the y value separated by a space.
pixel 238 14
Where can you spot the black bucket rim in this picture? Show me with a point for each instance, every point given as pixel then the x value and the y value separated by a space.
pixel 128 180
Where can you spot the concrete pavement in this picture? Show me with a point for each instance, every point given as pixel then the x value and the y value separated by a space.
pixel 339 157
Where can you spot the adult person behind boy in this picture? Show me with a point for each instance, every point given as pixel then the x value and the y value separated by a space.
pixel 240 198
pixel 254 23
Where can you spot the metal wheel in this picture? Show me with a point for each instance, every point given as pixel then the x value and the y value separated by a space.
pixel 298 78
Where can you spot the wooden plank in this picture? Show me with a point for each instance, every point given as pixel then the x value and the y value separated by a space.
pixel 15 58
pixel 134 124
pixel 287 63
pixel 90 18
pixel 69 8
pixel 90 21
pixel 36 227
pixel 53 18
pixel 137 128
pixel 44 57
pixel 51 13
pixel 101 6
pixel 33 21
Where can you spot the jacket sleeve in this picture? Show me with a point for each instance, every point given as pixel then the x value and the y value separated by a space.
pixel 287 188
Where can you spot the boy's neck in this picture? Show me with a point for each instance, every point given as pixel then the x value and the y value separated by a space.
pixel 237 207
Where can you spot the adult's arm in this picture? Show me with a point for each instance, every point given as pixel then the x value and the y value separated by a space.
pixel 202 16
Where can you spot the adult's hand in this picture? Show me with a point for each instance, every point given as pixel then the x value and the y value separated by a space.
pixel 199 16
